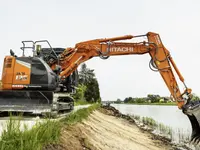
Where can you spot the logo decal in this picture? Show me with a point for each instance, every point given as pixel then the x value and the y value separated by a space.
pixel 121 49
pixel 21 76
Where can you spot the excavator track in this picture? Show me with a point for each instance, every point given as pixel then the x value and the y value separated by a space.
pixel 35 102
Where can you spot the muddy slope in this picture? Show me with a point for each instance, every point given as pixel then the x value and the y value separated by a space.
pixel 104 131
pixel 108 132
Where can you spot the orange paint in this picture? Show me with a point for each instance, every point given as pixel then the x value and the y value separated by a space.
pixel 18 73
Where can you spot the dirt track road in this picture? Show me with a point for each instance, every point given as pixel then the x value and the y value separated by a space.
pixel 105 132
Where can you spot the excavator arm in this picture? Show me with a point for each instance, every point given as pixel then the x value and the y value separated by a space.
pixel 161 59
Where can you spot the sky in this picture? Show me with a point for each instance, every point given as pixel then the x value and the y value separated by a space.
pixel 66 22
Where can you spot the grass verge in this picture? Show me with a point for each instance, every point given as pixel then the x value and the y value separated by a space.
pixel 41 134
pixel 79 115
pixel 15 138
pixel 81 102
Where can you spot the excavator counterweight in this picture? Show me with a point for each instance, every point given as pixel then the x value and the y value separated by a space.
pixel 49 77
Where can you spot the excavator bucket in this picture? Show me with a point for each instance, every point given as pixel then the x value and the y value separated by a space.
pixel 34 102
pixel 192 110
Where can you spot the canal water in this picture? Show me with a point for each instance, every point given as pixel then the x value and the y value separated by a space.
pixel 170 116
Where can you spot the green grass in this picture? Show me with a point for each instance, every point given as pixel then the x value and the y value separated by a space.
pixel 13 138
pixel 80 115
pixel 41 134
pixel 149 121
pixel 81 102
pixel 159 127
pixel 177 135
pixel 137 117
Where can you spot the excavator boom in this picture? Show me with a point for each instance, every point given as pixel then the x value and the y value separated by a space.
pixel 161 61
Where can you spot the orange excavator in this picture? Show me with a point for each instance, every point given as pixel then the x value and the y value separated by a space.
pixel 45 81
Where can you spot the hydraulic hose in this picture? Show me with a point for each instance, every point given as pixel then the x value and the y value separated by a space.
pixel 102 55
pixel 152 65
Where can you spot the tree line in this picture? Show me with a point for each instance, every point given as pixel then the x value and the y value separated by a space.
pixel 151 98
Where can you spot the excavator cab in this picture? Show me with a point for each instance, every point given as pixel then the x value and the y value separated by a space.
pixel 30 85
pixel 27 83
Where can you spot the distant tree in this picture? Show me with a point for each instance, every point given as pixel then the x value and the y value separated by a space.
pixel 92 93
pixel 80 93
pixel 195 97
pixel 88 85
pixel 118 101
pixel 140 100
pixel 85 74
pixel 128 100
pixel 161 100
pixel 153 98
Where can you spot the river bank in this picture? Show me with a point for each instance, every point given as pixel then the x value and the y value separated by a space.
pixel 91 128
pixel 148 127
pixel 103 130
pixel 106 128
